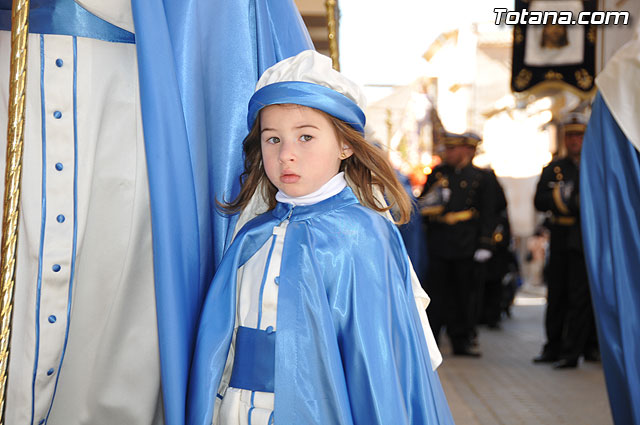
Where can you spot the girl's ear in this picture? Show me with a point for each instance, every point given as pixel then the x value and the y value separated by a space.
pixel 346 151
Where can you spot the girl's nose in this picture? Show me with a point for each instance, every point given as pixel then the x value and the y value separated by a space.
pixel 287 152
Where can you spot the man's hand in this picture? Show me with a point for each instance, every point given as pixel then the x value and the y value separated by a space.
pixel 482 255
pixel 446 194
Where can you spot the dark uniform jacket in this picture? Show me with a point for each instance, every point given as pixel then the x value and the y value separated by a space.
pixel 498 265
pixel 459 225
pixel 557 194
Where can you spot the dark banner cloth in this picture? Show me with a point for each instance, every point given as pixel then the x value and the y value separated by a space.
pixel 553 54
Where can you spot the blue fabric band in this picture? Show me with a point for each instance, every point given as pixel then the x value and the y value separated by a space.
pixel 254 361
pixel 65 17
pixel 307 94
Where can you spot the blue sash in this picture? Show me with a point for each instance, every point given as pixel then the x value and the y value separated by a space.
pixel 65 17
pixel 254 361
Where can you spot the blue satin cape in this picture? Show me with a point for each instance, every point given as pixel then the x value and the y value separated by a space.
pixel 349 343
pixel 413 235
pixel 610 212
pixel 199 61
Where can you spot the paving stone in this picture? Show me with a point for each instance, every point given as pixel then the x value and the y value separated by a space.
pixel 505 387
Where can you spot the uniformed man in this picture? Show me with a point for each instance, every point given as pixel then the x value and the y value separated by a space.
pixel 454 203
pixel 494 270
pixel 569 320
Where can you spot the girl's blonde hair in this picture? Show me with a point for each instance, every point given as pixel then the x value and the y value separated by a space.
pixel 367 167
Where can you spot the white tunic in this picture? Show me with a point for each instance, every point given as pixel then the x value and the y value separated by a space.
pixel 84 344
pixel 257 308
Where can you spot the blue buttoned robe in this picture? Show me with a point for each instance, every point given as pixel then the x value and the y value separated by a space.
pixel 349 344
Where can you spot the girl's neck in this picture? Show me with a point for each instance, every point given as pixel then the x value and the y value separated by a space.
pixel 330 188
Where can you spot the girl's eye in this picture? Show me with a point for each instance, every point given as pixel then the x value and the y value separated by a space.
pixel 273 140
pixel 305 137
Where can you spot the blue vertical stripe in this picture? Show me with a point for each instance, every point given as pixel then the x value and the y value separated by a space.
pixel 264 279
pixel 253 395
pixel 43 224
pixel 75 213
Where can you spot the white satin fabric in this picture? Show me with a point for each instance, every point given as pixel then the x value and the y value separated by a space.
pixel 330 188
pixel 110 372
pixel 618 84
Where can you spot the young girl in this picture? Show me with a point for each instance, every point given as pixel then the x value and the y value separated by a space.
pixel 311 317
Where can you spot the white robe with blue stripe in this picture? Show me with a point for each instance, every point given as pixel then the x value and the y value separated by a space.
pixel 84 346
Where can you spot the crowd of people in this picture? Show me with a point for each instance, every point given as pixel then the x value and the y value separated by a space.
pixel 470 259
pixel 471 268
pixel 468 236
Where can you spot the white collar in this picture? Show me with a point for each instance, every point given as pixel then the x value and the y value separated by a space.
pixel 330 188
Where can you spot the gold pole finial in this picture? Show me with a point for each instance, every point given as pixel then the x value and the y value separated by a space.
pixel 332 26
pixel 15 137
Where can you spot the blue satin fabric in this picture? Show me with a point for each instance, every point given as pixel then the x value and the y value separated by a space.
pixel 254 360
pixel 413 234
pixel 65 17
pixel 199 61
pixel 349 343
pixel 610 214
pixel 307 94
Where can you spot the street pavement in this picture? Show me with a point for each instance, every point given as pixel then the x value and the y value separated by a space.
pixel 505 387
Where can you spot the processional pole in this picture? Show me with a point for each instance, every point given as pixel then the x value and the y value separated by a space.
pixel 332 27
pixel 15 138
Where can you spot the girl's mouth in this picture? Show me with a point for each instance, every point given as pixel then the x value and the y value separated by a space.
pixel 289 177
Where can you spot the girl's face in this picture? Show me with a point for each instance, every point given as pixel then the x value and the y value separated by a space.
pixel 300 149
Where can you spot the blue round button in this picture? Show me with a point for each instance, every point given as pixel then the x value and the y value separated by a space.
pixel 269 329
pixel 59 166
pixel 59 63
pixel 56 267
pixel 41 422
pixel 277 280
pixel 57 115
pixel 52 319
pixel 60 218
pixel 50 372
